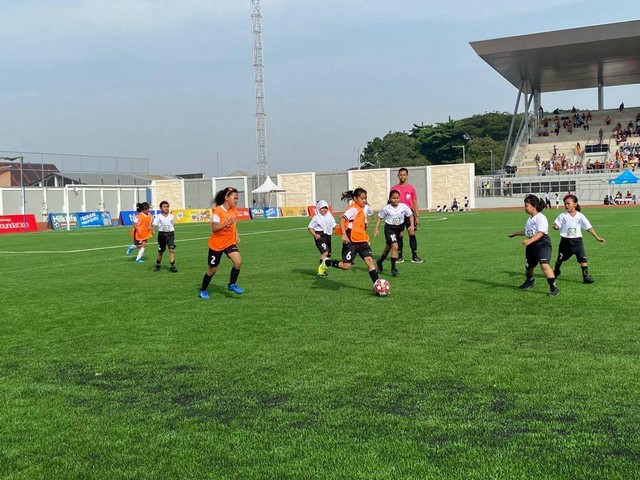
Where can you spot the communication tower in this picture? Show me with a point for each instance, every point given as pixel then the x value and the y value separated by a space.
pixel 258 80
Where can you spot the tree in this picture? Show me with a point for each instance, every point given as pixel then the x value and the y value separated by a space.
pixel 440 143
pixel 394 150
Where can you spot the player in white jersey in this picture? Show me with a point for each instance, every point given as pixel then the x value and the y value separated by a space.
pixel 394 214
pixel 571 223
pixel 166 236
pixel 537 242
pixel 321 227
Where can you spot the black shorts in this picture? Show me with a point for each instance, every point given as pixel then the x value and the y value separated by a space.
pixel 215 256
pixel 349 251
pixel 166 239
pixel 538 252
pixel 323 244
pixel 407 222
pixel 392 233
pixel 569 247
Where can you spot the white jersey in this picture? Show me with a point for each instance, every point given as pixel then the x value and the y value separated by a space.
pixel 323 223
pixel 164 224
pixel 571 227
pixel 537 223
pixel 395 215
pixel 368 211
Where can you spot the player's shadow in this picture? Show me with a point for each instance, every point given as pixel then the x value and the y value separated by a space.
pixel 327 283
pixel 221 290
pixel 494 284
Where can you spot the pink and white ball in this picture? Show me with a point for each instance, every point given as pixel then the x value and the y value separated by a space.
pixel 381 287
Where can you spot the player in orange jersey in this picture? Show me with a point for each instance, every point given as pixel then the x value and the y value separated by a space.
pixel 355 240
pixel 141 231
pixel 224 240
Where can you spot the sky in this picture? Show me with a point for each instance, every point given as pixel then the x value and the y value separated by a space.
pixel 173 81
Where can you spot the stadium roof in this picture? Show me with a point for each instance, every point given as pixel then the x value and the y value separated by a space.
pixel 567 59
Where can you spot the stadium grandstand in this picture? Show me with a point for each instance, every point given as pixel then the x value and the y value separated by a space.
pixel 567 141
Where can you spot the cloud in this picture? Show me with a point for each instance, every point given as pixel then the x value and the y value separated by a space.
pixel 385 11
pixel 70 18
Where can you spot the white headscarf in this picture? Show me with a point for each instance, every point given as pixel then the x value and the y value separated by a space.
pixel 327 222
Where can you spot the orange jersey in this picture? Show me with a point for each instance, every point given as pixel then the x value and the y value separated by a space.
pixel 357 223
pixel 142 227
pixel 226 237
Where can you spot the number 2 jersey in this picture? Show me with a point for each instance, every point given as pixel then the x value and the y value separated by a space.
pixel 226 237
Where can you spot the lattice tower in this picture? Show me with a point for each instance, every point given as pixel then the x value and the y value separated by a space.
pixel 258 76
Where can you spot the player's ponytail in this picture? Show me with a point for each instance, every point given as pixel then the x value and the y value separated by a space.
pixel 347 196
pixel 537 203
pixel 352 194
pixel 222 195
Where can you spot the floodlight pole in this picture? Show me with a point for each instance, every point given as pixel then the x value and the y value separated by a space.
pixel 22 187
pixel 464 158
pixel 490 152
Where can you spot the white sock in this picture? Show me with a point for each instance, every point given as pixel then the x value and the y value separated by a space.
pixel 140 252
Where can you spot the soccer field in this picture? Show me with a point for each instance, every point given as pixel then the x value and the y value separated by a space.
pixel 111 370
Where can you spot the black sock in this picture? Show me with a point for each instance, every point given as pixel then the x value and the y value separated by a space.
pixel 333 263
pixel 400 246
pixel 393 263
pixel 383 257
pixel 374 275
pixel 585 270
pixel 552 283
pixel 557 266
pixel 158 263
pixel 172 263
pixel 413 243
pixel 206 280
pixel 233 277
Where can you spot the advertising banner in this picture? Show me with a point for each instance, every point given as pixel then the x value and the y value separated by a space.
pixel 264 212
pixel 243 214
pixel 294 211
pixel 93 219
pixel 18 223
pixel 127 217
pixel 57 221
pixel 194 215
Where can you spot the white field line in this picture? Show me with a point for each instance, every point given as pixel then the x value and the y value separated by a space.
pixel 83 250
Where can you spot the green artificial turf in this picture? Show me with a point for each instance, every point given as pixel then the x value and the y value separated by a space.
pixel 111 370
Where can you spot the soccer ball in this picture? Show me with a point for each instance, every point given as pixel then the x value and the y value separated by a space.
pixel 381 287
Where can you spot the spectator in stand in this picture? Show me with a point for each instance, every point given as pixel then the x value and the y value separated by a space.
pixel 621 108
pixel 588 115
pixel 578 149
pixel 607 120
pixel 601 134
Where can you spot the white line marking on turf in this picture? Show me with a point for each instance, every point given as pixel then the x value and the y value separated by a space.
pixel 82 250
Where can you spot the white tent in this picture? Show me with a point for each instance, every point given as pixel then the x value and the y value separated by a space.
pixel 267 191
pixel 268 187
